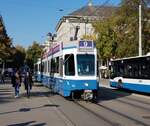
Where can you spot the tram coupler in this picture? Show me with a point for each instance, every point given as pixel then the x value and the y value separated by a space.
pixel 87 95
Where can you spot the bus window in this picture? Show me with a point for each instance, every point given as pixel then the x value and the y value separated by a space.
pixel 69 65
pixel 86 64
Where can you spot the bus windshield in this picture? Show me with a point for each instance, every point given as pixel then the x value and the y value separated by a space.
pixel 85 64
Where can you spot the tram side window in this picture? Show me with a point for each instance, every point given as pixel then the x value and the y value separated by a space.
pixel 45 66
pixel 39 67
pixel 61 66
pixel 48 65
pixel 35 68
pixel 42 67
pixel 52 66
pixel 57 65
pixel 69 65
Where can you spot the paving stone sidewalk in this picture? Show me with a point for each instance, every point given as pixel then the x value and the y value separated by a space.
pixel 34 111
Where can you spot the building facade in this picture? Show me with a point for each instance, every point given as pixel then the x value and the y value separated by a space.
pixel 78 24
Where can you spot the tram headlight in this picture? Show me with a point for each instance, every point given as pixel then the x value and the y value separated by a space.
pixel 68 83
pixel 86 84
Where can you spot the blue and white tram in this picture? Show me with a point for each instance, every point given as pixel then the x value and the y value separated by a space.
pixel 70 69
pixel 131 73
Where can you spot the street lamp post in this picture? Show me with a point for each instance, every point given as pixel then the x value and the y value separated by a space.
pixel 140 31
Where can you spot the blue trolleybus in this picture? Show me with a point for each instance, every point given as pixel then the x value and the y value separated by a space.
pixel 131 73
pixel 70 69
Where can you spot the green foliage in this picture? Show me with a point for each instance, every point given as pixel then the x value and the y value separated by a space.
pixel 5 42
pixel 106 42
pixel 19 56
pixel 33 53
pixel 118 36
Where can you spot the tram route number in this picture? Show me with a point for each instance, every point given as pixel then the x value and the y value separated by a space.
pixel 86 46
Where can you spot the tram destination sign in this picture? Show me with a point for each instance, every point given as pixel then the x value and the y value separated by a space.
pixel 86 46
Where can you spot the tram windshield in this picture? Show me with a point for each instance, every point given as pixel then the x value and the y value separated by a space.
pixel 85 64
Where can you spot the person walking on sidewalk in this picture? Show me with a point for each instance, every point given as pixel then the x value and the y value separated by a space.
pixel 2 76
pixel 28 82
pixel 13 78
pixel 17 83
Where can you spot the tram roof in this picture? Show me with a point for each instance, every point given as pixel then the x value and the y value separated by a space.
pixel 134 57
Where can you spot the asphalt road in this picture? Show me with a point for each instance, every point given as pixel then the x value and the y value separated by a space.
pixel 43 108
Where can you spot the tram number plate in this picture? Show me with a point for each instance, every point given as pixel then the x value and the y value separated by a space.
pixel 86 46
pixel 87 91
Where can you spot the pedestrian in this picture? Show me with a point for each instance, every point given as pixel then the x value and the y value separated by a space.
pixel 17 83
pixel 2 80
pixel 0 76
pixel 13 78
pixel 28 82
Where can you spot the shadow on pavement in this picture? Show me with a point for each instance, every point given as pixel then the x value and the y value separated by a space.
pixel 37 94
pixel 28 123
pixel 105 94
pixel 30 109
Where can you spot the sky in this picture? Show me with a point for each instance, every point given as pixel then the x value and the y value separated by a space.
pixel 30 20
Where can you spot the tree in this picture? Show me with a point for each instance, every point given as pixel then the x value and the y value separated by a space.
pixel 118 35
pixel 5 44
pixel 32 54
pixel 106 39
pixel 19 56
pixel 126 25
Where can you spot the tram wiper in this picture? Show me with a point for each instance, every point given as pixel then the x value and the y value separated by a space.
pixel 68 58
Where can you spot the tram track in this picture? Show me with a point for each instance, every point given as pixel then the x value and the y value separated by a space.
pixel 71 122
pixel 68 121
pixel 136 121
pixel 133 105
pixel 125 99
pixel 60 113
pixel 97 115
pixel 123 115
pixel 110 123
pixel 117 92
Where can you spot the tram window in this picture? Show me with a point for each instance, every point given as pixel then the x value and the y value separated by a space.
pixel 45 66
pixel 42 67
pixel 57 65
pixel 86 64
pixel 69 65
pixel 48 65
pixel 39 67
pixel 61 66
pixel 35 68
pixel 52 66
